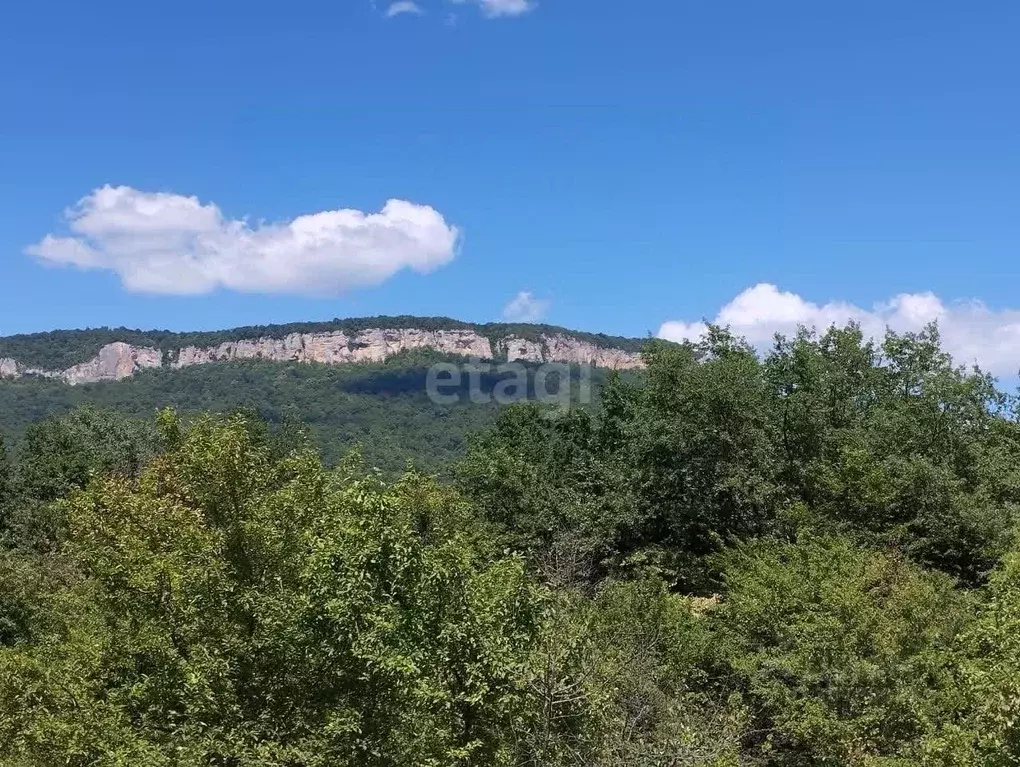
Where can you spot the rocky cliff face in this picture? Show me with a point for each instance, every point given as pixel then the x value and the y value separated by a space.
pixel 114 362
pixel 338 348
pixel 119 360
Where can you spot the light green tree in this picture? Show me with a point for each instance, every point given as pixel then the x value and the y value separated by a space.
pixel 846 656
pixel 232 608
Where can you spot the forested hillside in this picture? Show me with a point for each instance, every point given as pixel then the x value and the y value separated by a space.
pixel 799 559
pixel 383 408
pixel 60 349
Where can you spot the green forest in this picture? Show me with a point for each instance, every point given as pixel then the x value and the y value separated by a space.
pixel 382 408
pixel 805 557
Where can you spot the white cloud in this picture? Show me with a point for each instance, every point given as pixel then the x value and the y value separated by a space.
pixel 167 243
pixel 524 307
pixel 403 6
pixel 971 331
pixel 497 8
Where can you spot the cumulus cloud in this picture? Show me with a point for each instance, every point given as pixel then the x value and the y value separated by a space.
pixel 497 8
pixel 159 242
pixel 971 331
pixel 402 7
pixel 524 307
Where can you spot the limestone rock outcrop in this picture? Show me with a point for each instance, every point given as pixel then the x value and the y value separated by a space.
pixel 114 362
pixel 337 348
pixel 517 349
pixel 562 348
pixel 120 360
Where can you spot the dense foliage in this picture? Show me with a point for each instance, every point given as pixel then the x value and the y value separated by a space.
pixel 228 608
pixel 384 408
pixel 797 560
pixel 889 444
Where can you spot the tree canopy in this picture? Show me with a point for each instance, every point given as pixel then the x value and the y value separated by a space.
pixel 804 558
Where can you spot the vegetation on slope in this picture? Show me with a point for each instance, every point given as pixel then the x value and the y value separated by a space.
pixel 798 561
pixel 383 408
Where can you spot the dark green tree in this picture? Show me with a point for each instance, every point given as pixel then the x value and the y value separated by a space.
pixel 64 453
pixel 896 445
pixel 667 473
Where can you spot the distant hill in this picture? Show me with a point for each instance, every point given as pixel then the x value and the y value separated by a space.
pixel 89 356
pixel 377 400
pixel 61 349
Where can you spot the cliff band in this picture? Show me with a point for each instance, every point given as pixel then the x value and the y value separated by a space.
pixel 116 361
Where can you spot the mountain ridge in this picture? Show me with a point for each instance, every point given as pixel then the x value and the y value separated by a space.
pixel 95 355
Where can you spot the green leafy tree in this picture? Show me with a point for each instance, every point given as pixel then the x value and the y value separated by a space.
pixel 668 472
pixel 619 679
pixel 542 477
pixel 992 672
pixel 235 608
pixel 846 656
pixel 888 443
pixel 895 444
pixel 63 453
pixel 702 454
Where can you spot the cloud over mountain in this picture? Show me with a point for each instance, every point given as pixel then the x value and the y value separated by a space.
pixel 159 242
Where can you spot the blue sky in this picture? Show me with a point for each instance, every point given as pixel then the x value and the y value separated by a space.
pixel 634 167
